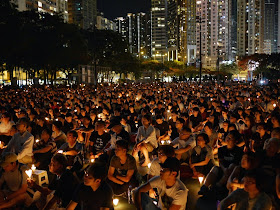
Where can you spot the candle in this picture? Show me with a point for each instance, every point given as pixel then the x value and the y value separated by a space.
pixel 92 160
pixel 60 151
pixel 162 142
pixel 274 105
pixel 168 142
pixel 149 165
pixel 29 173
pixel 200 179
pixel 37 140
pixel 46 118
pixel 33 167
pixel 115 201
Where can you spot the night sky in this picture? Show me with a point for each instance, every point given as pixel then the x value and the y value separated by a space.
pixel 119 8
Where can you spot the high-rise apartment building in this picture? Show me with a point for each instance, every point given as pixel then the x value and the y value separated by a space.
pixel 48 6
pixel 159 29
pixel 212 32
pixel 82 13
pixel 136 30
pixel 250 27
pixel 191 30
pixel 103 23
pixel 177 30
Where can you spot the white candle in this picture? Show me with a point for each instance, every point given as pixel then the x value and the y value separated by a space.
pixel 149 165
pixel 33 167
pixel 92 160
pixel 29 173
pixel 115 201
pixel 60 151
pixel 200 179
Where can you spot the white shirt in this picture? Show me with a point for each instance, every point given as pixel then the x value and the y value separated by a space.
pixel 4 128
pixel 183 144
pixel 21 145
pixel 177 194
pixel 148 135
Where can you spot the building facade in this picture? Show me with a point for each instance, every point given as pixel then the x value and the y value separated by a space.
pixel 82 13
pixel 103 23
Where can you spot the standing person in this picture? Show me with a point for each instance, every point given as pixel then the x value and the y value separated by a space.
pixel 146 140
pixel 122 169
pixel 94 193
pixel 22 142
pixel 172 192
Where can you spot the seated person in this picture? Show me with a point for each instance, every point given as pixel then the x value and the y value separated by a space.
pixel 5 127
pixel 202 159
pixel 212 134
pixel 248 162
pixel 251 197
pixel 71 148
pixel 162 126
pixel 94 193
pixel 146 140
pixel 98 139
pixel 118 134
pixel 15 178
pixel 164 151
pixel 269 161
pixel 22 142
pixel 58 135
pixel 64 185
pixel 122 169
pixel 229 156
pixel 172 192
pixel 185 143
pixel 44 150
pixel 259 138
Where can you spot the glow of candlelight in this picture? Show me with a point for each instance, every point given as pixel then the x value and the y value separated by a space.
pixel 168 142
pixel 274 105
pixel 162 142
pixel 149 165
pixel 46 118
pixel 33 167
pixel 200 179
pixel 60 151
pixel 115 201
pixel 92 160
pixel 29 173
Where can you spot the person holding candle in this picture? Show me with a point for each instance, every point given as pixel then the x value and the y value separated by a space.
pixel 44 149
pixel 94 192
pixel 15 178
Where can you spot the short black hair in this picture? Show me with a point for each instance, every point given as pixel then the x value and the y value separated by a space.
pixel 24 120
pixel 186 128
pixel 74 133
pixel 61 159
pixel 209 125
pixel 123 144
pixel 204 136
pixel 181 120
pixel 58 124
pixel 48 131
pixel 259 176
pixel 98 170
pixel 167 150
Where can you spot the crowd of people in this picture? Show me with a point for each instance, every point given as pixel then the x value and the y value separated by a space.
pixel 141 142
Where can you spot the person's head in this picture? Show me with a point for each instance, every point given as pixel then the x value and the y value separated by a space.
pixel 225 125
pixel 58 164
pixel 233 118
pixel 46 134
pixel 232 127
pixel 275 133
pixel 6 117
pixel 9 161
pixel 202 139
pixel 253 181
pixel 100 126
pixel 208 127
pixel 159 119
pixel 248 160
pixel 195 111
pixel 123 120
pixel 170 169
pixel 22 124
pixel 95 174
pixel 86 120
pixel 185 133
pixel 275 120
pixel 57 126
pixel 232 138
pixel 72 136
pixel 261 128
pixel 164 152
pixel 180 123
pixel 146 120
pixel 121 148
pixel 68 117
pixel 249 121
pixel 272 147
pixel 115 125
